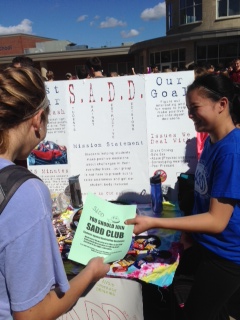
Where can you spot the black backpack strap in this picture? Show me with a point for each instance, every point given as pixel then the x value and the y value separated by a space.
pixel 11 178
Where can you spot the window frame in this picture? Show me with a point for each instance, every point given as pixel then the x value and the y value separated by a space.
pixel 169 16
pixel 194 7
pixel 228 4
pixel 155 57
pixel 232 50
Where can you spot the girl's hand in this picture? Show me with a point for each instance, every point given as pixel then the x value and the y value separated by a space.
pixel 141 223
pixel 98 268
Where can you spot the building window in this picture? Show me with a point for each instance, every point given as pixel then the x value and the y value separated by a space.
pixel 152 59
pixel 165 56
pixel 221 53
pixel 141 64
pixel 112 67
pixel 228 51
pixel 157 58
pixel 201 53
pixel 212 51
pixel 174 57
pixel 169 16
pixel 190 11
pixel 122 68
pixel 228 8
pixel 182 55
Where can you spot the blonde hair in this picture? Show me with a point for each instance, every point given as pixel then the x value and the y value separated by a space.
pixel 22 92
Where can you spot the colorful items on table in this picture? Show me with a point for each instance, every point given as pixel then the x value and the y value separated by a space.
pixel 64 226
pixel 147 262
pixel 152 258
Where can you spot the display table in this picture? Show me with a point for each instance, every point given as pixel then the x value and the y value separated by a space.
pixel 152 257
pixel 155 275
pixel 153 262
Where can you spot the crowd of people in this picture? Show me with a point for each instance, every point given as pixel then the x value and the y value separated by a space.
pixel 93 69
pixel 33 283
pixel 232 70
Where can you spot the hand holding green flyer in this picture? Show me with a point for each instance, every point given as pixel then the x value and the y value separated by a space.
pixel 101 231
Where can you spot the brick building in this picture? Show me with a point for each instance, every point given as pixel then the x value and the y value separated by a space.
pixel 13 45
pixel 62 56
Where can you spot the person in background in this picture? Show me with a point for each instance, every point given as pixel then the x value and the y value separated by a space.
pixel 95 67
pixel 220 68
pixel 50 75
pixel 209 68
pixel 213 259
pixel 22 61
pixel 167 70
pixel 82 72
pixel 192 66
pixel 235 75
pixel 113 74
pixel 230 68
pixel 69 76
pixel 133 71
pixel 33 281
pixel 154 69
pixel 199 71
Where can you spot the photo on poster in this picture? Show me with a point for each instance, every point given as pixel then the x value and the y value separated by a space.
pixel 48 152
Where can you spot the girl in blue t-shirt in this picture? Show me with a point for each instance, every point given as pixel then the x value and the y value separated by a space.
pixel 213 261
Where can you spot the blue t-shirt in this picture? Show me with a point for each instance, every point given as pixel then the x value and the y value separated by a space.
pixel 218 176
pixel 30 261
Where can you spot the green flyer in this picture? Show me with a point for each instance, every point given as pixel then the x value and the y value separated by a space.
pixel 101 231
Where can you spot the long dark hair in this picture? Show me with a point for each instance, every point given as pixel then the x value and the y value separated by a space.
pixel 217 86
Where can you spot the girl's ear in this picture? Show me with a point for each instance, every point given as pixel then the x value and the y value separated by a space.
pixel 37 120
pixel 224 103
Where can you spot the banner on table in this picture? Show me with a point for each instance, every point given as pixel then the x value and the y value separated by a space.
pixel 109 299
pixel 116 132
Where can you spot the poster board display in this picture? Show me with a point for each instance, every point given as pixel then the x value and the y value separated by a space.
pixel 107 134
pixel 171 134
pixel 116 132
